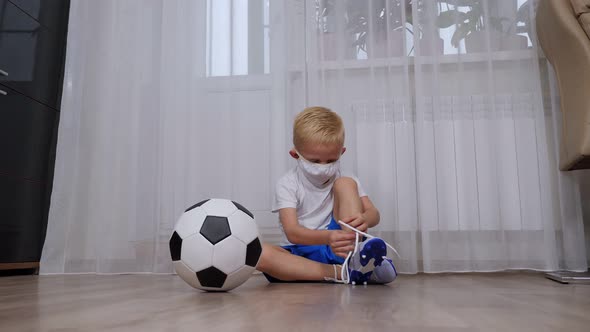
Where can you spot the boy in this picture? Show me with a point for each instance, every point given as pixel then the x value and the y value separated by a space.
pixel 310 199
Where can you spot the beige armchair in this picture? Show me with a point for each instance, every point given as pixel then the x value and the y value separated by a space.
pixel 563 28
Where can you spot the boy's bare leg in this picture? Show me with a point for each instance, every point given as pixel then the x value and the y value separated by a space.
pixel 283 265
pixel 347 202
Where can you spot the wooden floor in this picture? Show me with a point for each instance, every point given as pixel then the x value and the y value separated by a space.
pixel 454 302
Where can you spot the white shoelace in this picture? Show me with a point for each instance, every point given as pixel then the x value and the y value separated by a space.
pixel 344 275
pixel 367 235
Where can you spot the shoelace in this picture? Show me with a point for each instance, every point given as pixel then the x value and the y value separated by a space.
pixel 344 275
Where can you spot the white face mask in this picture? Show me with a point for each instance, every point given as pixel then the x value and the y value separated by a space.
pixel 318 174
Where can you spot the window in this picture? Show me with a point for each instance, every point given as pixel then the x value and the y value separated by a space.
pixel 238 37
pixel 372 29
pixel 471 26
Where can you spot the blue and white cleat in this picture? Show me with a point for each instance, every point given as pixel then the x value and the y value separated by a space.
pixel 368 262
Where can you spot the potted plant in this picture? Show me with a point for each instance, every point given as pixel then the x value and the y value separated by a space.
pixel 473 27
pixel 371 22
pixel 429 38
pixel 521 24
pixel 390 17
pixel 328 37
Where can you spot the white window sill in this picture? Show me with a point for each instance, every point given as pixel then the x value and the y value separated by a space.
pixel 454 59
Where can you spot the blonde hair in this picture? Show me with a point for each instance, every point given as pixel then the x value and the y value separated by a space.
pixel 318 125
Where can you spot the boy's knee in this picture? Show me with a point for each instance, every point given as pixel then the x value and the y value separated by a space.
pixel 264 256
pixel 268 250
pixel 344 184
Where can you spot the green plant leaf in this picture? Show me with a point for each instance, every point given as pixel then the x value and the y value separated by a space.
pixel 523 13
pixel 496 22
pixel 474 14
pixel 450 17
pixel 462 31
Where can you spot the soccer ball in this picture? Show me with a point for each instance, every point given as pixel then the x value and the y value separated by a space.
pixel 215 245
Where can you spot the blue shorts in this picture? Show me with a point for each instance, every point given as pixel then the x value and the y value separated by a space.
pixel 319 253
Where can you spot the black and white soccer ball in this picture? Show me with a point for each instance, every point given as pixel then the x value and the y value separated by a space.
pixel 215 245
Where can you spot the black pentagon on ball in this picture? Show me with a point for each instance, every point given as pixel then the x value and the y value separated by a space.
pixel 253 252
pixel 215 229
pixel 197 205
pixel 211 277
pixel 243 209
pixel 175 246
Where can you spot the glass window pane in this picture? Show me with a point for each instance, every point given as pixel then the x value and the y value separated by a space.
pixel 238 37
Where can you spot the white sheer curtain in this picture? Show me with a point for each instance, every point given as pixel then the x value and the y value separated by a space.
pixel 453 135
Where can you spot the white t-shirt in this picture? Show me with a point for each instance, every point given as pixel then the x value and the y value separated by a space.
pixel 314 205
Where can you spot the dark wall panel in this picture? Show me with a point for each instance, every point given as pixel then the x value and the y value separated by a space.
pixel 33 35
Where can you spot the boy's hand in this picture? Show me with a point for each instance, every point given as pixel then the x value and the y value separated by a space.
pixel 341 242
pixel 357 222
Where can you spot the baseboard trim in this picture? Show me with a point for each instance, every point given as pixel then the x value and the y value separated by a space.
pixel 19 266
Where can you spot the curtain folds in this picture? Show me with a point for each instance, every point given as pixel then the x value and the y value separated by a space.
pixel 451 114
